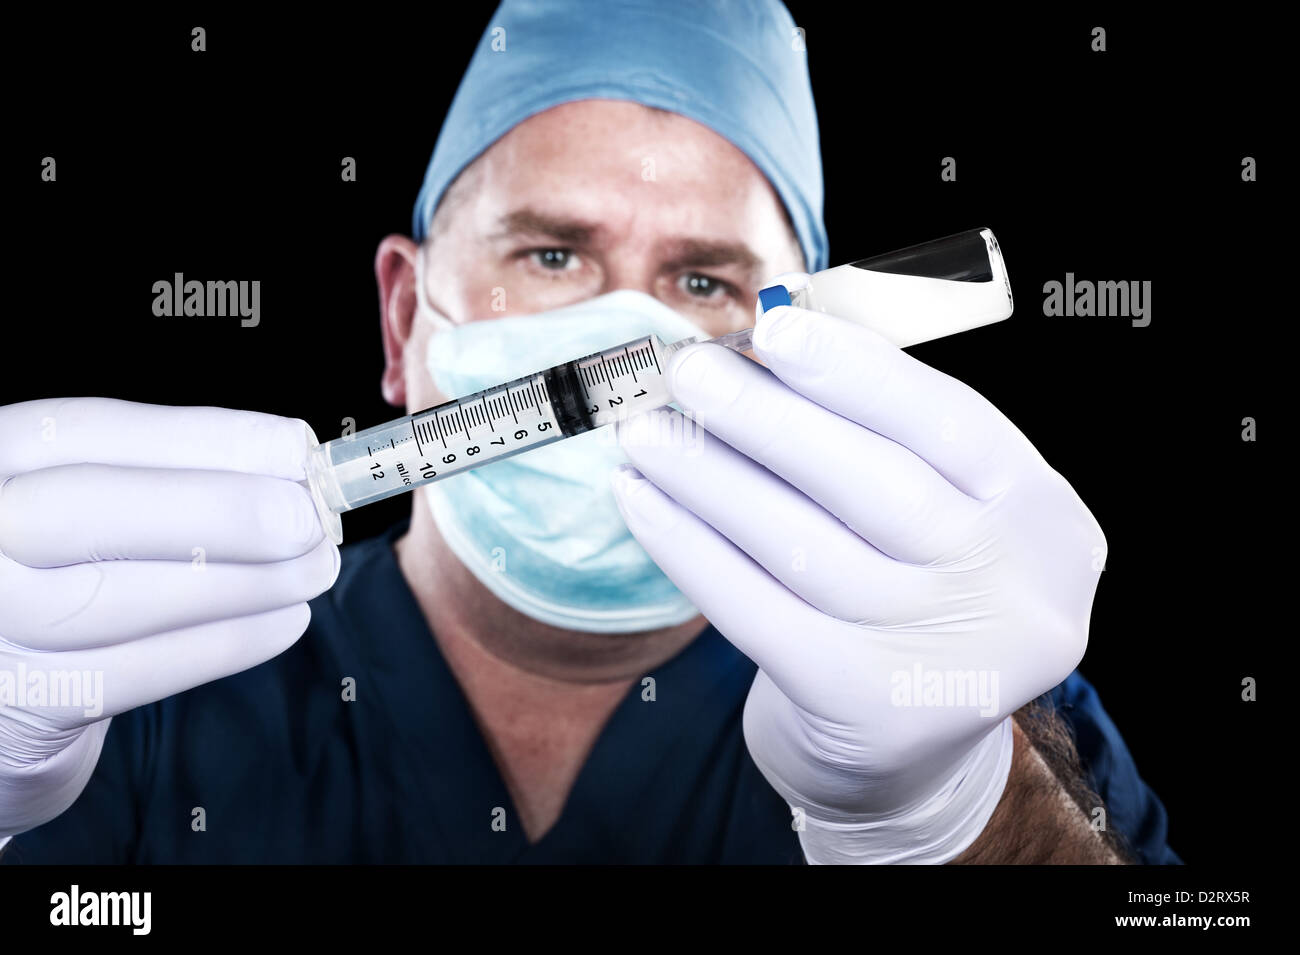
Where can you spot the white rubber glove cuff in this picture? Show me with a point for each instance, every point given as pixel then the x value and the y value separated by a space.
pixel 57 780
pixel 934 832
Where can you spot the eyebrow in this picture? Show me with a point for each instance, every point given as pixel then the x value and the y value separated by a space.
pixel 706 253
pixel 680 252
pixel 532 222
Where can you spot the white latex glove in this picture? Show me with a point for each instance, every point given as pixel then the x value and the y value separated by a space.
pixel 851 519
pixel 152 548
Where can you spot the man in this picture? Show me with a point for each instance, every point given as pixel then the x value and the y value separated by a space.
pixel 513 676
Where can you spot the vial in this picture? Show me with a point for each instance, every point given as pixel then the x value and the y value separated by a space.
pixel 909 296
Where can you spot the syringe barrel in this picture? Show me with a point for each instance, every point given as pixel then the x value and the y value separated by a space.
pixel 488 426
pixel 433 444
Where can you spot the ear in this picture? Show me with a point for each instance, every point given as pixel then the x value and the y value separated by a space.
pixel 395 275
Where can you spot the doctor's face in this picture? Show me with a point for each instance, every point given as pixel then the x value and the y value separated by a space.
pixel 593 196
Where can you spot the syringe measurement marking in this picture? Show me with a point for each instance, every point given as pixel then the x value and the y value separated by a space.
pixel 505 401
pixel 602 370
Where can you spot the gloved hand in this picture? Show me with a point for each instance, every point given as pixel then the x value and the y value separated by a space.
pixel 144 550
pixel 894 555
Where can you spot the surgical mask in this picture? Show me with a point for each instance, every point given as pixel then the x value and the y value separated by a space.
pixel 542 531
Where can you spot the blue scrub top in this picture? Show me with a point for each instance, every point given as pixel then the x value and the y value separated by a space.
pixel 288 772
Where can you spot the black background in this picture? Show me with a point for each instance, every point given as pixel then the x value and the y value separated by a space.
pixel 1123 165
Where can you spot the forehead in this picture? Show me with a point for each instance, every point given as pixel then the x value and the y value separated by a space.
pixel 628 166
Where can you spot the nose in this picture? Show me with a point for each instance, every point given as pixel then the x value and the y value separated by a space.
pixel 629 268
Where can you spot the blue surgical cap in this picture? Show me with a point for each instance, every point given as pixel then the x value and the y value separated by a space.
pixel 737 66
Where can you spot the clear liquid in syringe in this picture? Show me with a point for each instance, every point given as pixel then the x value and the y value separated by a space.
pixel 507 419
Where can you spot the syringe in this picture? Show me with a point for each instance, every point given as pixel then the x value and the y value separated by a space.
pixel 498 422
pixel 909 296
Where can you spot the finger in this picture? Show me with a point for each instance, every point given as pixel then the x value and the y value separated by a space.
pixel 153 668
pixel 858 374
pixel 766 622
pixel 55 431
pixel 90 512
pixel 879 488
pixel 95 604
pixel 794 539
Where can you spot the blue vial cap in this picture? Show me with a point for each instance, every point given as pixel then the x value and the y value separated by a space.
pixel 773 296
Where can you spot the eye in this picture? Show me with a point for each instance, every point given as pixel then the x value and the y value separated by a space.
pixel 554 259
pixel 698 285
